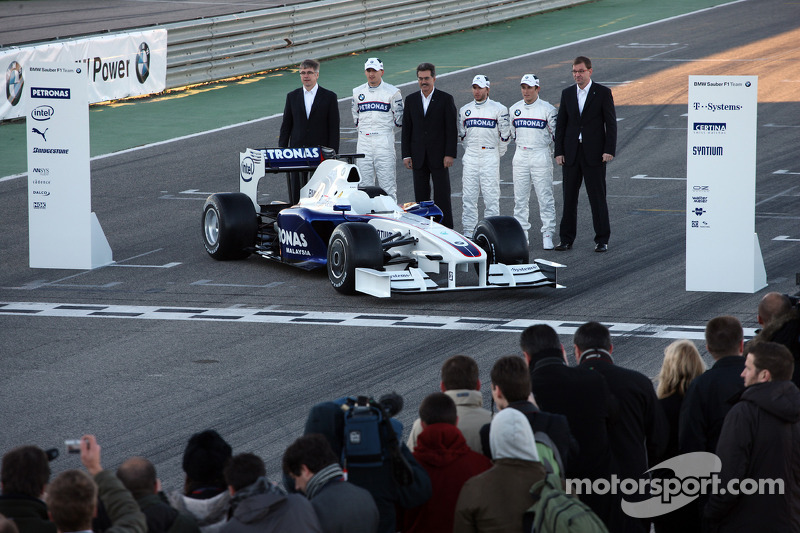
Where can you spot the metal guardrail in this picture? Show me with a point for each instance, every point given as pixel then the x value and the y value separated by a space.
pixel 234 45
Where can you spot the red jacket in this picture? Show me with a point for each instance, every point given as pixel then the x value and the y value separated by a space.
pixel 444 454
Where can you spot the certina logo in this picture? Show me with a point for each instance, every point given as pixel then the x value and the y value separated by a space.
pixel 293 238
pixel 535 123
pixel 50 92
pixel 40 205
pixel 14 83
pixel 41 193
pixel 248 169
pixel 41 171
pixel 707 150
pixel 292 153
pixel 716 107
pixel 480 123
pixel 43 112
pixel 143 63
pixel 710 127
pixel 61 151
pixel 373 106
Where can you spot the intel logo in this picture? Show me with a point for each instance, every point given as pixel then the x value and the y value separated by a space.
pixel 248 169
pixel 43 112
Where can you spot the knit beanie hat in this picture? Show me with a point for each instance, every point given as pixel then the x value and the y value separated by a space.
pixel 205 456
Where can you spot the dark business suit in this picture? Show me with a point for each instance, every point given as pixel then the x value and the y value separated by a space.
pixel 583 160
pixel 427 138
pixel 320 128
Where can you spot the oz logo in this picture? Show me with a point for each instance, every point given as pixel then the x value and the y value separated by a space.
pixel 14 83
pixel 143 63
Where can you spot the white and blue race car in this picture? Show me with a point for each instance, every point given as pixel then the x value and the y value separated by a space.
pixel 366 241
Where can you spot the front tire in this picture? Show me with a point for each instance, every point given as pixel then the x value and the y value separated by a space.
pixel 229 226
pixel 352 245
pixel 503 240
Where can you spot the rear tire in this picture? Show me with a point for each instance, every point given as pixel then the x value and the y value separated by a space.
pixel 503 240
pixel 229 226
pixel 352 245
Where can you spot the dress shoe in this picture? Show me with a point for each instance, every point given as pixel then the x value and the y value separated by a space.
pixel 547 241
pixel 563 247
pixel 600 247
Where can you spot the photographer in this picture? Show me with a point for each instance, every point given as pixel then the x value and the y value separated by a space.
pixel 398 479
pixel 72 496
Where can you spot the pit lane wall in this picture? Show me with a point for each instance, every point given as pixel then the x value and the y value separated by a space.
pixel 215 48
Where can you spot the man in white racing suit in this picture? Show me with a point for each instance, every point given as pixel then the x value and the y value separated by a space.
pixel 533 125
pixel 484 129
pixel 377 110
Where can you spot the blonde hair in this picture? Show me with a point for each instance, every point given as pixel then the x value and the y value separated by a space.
pixel 682 363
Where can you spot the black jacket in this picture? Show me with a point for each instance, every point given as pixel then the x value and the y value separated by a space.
pixel 707 402
pixel 639 436
pixel 434 133
pixel 554 425
pixel 163 518
pixel 597 124
pixel 760 440
pixel 320 128
pixel 29 514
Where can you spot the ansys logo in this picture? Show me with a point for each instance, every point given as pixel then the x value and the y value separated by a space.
pixel 14 83
pixel 143 63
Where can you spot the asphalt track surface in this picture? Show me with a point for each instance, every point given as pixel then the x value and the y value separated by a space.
pixel 168 341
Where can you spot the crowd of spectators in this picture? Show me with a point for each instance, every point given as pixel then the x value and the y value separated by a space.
pixel 467 469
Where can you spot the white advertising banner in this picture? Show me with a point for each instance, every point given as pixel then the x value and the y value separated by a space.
pixel 722 250
pixel 62 230
pixel 115 66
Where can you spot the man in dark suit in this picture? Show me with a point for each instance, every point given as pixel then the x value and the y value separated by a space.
pixel 310 118
pixel 586 139
pixel 429 140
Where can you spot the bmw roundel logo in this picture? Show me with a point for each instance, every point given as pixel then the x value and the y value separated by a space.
pixel 360 97
pixel 468 112
pixel 14 83
pixel 78 70
pixel 143 63
pixel 517 112
pixel 747 84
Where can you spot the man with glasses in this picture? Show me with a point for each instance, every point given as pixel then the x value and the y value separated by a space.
pixel 310 118
pixel 429 140
pixel 586 139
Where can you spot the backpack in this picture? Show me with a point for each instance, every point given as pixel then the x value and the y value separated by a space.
pixel 548 454
pixel 555 511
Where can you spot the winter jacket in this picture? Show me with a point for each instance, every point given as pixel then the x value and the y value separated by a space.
pixel 341 507
pixel 263 508
pixel 760 440
pixel 119 504
pixel 443 453
pixel 29 514
pixel 707 402
pixel 211 514
pixel 496 500
pixel 163 518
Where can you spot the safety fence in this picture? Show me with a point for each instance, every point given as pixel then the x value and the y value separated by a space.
pixel 233 45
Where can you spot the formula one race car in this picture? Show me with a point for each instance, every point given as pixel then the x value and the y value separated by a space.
pixel 365 240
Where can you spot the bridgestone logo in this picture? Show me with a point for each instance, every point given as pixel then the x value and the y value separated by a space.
pixel 51 150
pixel 42 92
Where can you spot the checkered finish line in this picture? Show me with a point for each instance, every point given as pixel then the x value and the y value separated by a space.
pixel 276 316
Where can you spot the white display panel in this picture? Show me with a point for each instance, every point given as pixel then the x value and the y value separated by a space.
pixel 62 230
pixel 722 250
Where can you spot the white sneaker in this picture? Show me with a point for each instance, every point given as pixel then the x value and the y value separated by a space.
pixel 547 241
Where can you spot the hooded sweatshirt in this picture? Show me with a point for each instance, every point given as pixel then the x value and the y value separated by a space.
pixel 443 453
pixel 760 440
pixel 497 499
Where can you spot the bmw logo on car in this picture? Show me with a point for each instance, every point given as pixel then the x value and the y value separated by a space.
pixel 14 83
pixel 143 63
